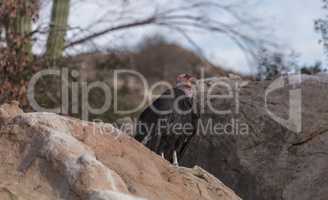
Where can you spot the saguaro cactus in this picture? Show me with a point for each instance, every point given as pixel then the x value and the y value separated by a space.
pixel 19 26
pixel 23 27
pixel 58 28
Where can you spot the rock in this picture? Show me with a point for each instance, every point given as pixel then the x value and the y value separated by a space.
pixel 47 156
pixel 8 111
pixel 126 125
pixel 270 161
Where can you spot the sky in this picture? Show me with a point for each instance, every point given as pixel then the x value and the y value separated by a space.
pixel 290 24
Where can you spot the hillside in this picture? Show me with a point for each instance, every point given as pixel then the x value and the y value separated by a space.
pixel 156 62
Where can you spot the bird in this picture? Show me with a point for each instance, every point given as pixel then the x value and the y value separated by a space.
pixel 170 122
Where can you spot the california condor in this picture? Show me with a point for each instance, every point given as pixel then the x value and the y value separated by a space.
pixel 168 124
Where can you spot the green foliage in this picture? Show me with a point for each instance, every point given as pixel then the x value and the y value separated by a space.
pixel 272 64
pixel 312 69
pixel 16 60
pixel 321 27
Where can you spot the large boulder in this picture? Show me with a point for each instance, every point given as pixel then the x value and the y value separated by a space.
pixel 268 161
pixel 46 156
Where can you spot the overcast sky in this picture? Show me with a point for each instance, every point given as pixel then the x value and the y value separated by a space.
pixel 291 23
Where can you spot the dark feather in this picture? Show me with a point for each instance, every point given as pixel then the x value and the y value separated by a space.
pixel 164 132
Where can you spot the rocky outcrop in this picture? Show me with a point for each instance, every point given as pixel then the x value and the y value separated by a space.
pixel 270 161
pixel 47 156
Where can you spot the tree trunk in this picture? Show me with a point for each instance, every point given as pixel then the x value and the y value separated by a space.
pixel 58 28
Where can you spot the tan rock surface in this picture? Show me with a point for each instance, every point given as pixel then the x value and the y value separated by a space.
pixel 47 156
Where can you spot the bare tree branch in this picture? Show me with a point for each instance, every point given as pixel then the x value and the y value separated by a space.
pixel 186 16
pixel 111 29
